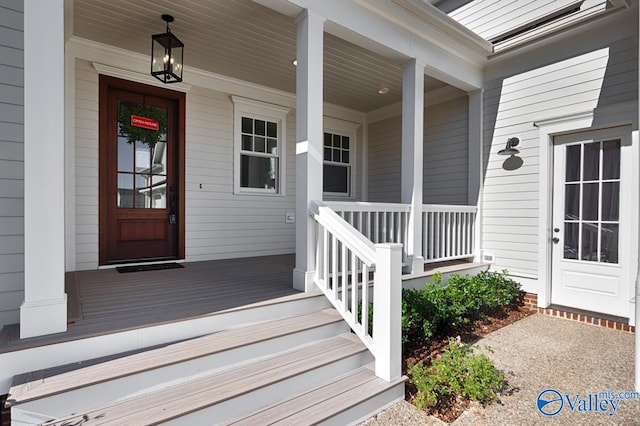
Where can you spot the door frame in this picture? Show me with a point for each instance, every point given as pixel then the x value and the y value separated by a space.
pixel 105 84
pixel 614 116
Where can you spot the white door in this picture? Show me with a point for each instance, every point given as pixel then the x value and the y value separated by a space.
pixel 592 228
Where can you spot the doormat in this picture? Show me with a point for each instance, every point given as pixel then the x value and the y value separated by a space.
pixel 154 267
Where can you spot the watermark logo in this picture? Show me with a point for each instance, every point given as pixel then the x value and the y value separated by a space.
pixel 550 402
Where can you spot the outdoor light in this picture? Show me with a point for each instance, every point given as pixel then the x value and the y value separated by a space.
pixel 510 148
pixel 166 55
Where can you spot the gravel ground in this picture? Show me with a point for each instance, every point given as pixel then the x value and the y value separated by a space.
pixel 541 352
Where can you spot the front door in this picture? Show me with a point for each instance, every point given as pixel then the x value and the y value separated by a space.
pixel 140 173
pixel 592 221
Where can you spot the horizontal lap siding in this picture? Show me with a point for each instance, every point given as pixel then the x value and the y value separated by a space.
pixel 584 82
pixel 221 224
pixel 86 166
pixel 445 155
pixel 11 161
pixel 446 152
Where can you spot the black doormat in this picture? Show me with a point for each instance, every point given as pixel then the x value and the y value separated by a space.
pixel 154 267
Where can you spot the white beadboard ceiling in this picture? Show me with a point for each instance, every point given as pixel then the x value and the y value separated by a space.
pixel 244 40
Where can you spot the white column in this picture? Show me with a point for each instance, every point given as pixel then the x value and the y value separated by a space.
pixel 475 165
pixel 44 309
pixel 309 136
pixel 412 159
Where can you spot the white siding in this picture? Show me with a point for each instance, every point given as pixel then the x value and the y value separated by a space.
pixel 86 166
pixel 583 82
pixel 11 161
pixel 445 155
pixel 221 224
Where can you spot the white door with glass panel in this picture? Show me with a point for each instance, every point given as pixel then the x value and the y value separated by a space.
pixel 591 229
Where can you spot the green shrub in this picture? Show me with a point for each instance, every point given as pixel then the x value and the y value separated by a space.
pixel 458 371
pixel 437 308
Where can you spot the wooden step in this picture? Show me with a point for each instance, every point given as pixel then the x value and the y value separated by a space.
pixel 329 401
pixel 214 398
pixel 208 352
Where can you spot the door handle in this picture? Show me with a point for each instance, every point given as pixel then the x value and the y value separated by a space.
pixel 555 240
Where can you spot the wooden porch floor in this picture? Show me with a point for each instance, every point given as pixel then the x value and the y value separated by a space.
pixel 106 301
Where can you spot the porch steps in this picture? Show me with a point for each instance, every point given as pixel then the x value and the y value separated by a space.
pixel 216 378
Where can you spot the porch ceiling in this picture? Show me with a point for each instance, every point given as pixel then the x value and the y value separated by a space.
pixel 247 41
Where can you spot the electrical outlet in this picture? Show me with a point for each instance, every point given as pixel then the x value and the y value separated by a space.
pixel 289 217
pixel 488 257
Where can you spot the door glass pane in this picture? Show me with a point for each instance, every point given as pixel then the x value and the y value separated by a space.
pixel 143 192
pixel 158 192
pixel 590 241
pixel 143 157
pixel 609 251
pixel 591 169
pixel 611 160
pixel 590 201
pixel 571 236
pixel 125 190
pixel 125 155
pixel 159 158
pixel 572 202
pixel 572 163
pixel 610 201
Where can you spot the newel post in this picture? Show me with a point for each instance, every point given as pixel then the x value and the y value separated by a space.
pixel 387 305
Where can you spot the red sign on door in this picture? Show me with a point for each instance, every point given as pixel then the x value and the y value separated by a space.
pixel 144 122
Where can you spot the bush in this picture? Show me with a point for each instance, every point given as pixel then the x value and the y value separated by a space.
pixel 458 371
pixel 437 308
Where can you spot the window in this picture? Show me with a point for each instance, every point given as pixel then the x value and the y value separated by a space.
pixel 338 154
pixel 259 134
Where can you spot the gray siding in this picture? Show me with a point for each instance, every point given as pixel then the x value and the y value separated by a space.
pixel 580 82
pixel 11 161
pixel 445 155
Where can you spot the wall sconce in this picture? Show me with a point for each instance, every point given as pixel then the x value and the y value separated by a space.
pixel 166 55
pixel 510 148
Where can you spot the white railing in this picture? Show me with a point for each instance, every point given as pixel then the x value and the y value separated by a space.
pixel 379 222
pixel 352 272
pixel 448 232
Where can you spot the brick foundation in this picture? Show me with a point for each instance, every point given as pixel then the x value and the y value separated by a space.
pixel 531 301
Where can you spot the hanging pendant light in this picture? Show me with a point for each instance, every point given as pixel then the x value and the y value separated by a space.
pixel 166 55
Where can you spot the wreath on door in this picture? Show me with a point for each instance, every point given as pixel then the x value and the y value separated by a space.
pixel 135 132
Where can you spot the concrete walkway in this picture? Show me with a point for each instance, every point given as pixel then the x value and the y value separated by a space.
pixel 539 353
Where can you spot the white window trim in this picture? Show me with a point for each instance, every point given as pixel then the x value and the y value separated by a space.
pixel 261 111
pixel 349 129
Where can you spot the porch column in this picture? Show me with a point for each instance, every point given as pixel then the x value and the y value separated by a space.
pixel 309 134
pixel 476 166
pixel 44 309
pixel 412 160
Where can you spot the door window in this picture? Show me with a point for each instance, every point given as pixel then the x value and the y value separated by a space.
pixel 142 157
pixel 592 201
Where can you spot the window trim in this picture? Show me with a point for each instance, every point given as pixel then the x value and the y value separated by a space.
pixel 349 129
pixel 261 111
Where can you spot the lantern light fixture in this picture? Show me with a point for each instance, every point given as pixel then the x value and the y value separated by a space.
pixel 510 149
pixel 166 55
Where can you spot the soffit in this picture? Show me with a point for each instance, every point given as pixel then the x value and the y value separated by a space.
pixel 244 40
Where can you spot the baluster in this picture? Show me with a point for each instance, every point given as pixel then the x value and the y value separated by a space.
pixel 325 260
pixel 334 266
pixel 354 284
pixel 365 299
pixel 345 277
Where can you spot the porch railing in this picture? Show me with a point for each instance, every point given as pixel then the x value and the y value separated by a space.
pixel 352 271
pixel 448 230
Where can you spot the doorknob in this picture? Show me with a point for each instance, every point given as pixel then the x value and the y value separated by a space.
pixel 555 240
pixel 556 229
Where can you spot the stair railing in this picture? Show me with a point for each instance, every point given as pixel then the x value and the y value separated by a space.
pixel 352 272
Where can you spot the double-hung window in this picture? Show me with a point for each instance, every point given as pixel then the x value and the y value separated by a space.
pixel 259 135
pixel 338 155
